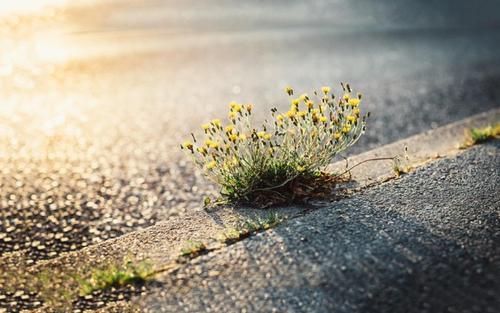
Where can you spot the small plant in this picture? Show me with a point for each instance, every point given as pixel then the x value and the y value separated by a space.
pixel 478 135
pixel 294 147
pixel 193 249
pixel 270 221
pixel 250 227
pixel 482 134
pixel 399 163
pixel 231 235
pixel 115 276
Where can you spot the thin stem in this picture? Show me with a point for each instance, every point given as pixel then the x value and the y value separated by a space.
pixel 364 161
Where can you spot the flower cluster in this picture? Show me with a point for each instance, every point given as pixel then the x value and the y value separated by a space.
pixel 299 142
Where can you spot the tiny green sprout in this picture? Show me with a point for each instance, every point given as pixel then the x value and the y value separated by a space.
pixel 249 227
pixel 113 275
pixel 193 249
pixel 479 135
pixel 399 163
pixel 482 134
pixel 207 201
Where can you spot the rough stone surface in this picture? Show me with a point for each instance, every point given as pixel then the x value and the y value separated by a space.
pixel 425 243
pixel 89 144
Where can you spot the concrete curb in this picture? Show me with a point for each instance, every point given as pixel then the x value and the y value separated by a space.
pixel 424 147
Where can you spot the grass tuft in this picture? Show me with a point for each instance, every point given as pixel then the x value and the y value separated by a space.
pixel 193 249
pixel 115 276
pixel 482 134
pixel 479 135
pixel 249 227
pixel 291 149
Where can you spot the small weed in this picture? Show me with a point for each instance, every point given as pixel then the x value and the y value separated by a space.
pixel 290 150
pixel 193 249
pixel 250 227
pixel 478 135
pixel 231 235
pixel 399 165
pixel 115 276
pixel 270 221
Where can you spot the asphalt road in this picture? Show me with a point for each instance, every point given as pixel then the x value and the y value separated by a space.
pixel 95 99
pixel 427 242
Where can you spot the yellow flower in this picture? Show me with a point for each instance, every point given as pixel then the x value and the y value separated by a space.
pixel 356 111
pixel 310 104
pixel 211 165
pixel 232 104
pixel 216 122
pixel 323 119
pixel 249 107
pixel 243 137
pixel 295 103
pixel 232 115
pixel 289 90
pixel 261 134
pixel 202 151
pixel 302 113
pixel 211 143
pixel 300 168
pixel 346 129
pixel 346 96
pixel 336 135
pixel 237 108
pixel 267 136
pixel 279 118
pixel 235 161
pixel 229 128
pixel 187 145
pixel 316 111
pixel 271 151
pixel 290 114
pixel 205 126
pixel 303 97
pixel 233 137
pixel 354 102
pixel 325 89
pixel 351 118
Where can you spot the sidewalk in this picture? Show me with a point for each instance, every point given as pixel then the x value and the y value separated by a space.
pixel 427 242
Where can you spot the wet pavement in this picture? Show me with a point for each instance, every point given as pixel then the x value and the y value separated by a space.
pixel 94 98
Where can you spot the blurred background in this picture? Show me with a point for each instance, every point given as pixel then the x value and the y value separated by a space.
pixel 95 96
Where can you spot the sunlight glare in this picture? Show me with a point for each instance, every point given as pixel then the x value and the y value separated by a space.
pixel 27 6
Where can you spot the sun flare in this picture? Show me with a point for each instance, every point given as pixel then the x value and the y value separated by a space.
pixel 27 6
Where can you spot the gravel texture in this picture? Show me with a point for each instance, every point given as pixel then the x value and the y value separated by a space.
pixel 89 144
pixel 424 243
